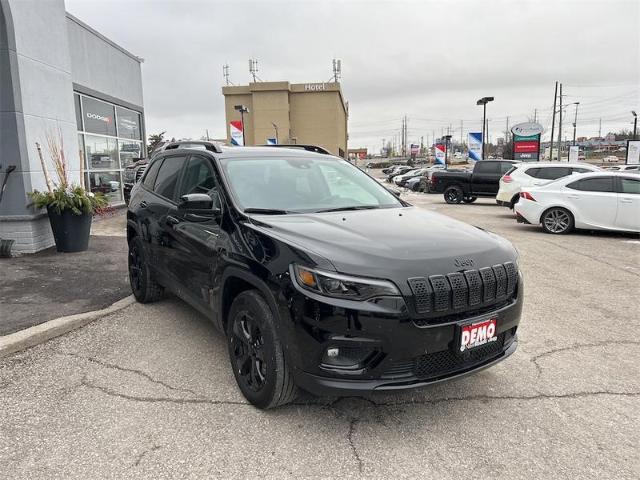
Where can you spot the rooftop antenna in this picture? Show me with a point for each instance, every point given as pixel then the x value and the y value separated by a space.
pixel 225 74
pixel 337 70
pixel 253 69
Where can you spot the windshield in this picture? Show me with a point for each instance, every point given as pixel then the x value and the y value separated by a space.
pixel 287 185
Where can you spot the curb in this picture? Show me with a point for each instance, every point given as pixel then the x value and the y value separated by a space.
pixel 33 336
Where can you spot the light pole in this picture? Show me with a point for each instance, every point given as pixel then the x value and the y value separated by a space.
pixel 575 122
pixel 635 123
pixel 483 101
pixel 242 109
pixel 275 127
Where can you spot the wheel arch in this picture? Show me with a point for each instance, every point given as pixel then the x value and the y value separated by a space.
pixel 235 281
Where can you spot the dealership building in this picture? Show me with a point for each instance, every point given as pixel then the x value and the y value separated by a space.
pixel 287 113
pixel 60 77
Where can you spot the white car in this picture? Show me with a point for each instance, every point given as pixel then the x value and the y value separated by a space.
pixel 405 176
pixel 595 201
pixel 535 174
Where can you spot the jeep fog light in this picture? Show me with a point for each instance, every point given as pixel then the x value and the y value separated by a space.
pixel 346 356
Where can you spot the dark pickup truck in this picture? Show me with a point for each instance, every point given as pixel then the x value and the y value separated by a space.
pixel 461 186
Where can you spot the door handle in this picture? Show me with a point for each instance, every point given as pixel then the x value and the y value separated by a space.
pixel 626 200
pixel 171 220
pixel 143 204
pixel 573 196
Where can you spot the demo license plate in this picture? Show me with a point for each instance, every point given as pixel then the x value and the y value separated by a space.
pixel 477 334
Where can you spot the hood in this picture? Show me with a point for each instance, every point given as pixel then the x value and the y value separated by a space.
pixel 392 243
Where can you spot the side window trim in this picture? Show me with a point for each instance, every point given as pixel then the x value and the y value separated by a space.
pixel 149 171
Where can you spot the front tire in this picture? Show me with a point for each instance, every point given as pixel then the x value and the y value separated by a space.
pixel 453 195
pixel 143 286
pixel 256 354
pixel 558 221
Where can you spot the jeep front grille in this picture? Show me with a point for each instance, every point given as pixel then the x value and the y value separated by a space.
pixel 140 172
pixel 441 295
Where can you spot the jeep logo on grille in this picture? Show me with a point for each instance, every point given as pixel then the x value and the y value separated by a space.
pixel 463 262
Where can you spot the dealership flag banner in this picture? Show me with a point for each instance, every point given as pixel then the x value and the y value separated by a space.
pixel 475 146
pixel 237 138
pixel 272 141
pixel 414 149
pixel 633 152
pixel 439 147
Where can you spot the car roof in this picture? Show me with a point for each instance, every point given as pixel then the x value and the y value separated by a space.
pixel 554 164
pixel 225 151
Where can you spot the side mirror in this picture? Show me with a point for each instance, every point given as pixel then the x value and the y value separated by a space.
pixel 196 201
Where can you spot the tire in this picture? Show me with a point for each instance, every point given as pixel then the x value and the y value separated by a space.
pixel 143 285
pixel 415 187
pixel 558 221
pixel 469 199
pixel 256 354
pixel 513 201
pixel 453 195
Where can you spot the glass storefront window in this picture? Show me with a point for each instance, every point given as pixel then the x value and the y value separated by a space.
pixel 109 139
pixel 98 117
pixel 130 152
pixel 101 153
pixel 128 124
pixel 108 183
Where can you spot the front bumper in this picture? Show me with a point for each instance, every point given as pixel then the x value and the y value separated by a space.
pixel 403 352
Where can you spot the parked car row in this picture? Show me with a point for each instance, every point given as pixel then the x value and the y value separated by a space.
pixel 558 196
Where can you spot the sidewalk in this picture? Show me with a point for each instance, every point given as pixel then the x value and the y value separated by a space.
pixel 48 285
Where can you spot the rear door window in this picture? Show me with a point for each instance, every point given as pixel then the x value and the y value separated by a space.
pixel 533 172
pixel 152 173
pixel 597 184
pixel 168 176
pixel 630 185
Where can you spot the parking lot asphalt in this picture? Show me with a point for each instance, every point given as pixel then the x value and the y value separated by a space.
pixel 148 392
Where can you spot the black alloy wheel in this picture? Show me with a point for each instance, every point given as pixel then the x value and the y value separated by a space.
pixel 143 286
pixel 256 354
pixel 453 195
pixel 248 352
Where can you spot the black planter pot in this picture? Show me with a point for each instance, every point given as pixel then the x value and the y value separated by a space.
pixel 71 232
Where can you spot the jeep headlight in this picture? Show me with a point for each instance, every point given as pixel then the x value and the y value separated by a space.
pixel 338 285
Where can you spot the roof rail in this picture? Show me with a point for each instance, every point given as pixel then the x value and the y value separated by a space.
pixel 308 148
pixel 194 144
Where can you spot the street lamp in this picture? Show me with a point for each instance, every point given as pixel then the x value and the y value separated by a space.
pixel 275 127
pixel 635 123
pixel 242 109
pixel 483 101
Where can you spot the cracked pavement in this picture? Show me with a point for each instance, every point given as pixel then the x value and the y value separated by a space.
pixel 148 392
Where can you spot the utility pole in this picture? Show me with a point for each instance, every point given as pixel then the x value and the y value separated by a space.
pixel 600 128
pixel 461 133
pixel 560 125
pixel 635 123
pixel 535 114
pixel 553 122
pixel 575 122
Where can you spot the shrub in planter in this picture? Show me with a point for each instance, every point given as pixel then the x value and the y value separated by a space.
pixel 70 207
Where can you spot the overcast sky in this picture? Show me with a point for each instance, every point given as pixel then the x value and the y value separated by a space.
pixel 430 60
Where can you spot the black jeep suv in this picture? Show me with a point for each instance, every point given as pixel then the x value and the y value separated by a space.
pixel 319 277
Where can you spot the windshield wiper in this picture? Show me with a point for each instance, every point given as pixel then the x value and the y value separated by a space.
pixel 266 211
pixel 354 207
